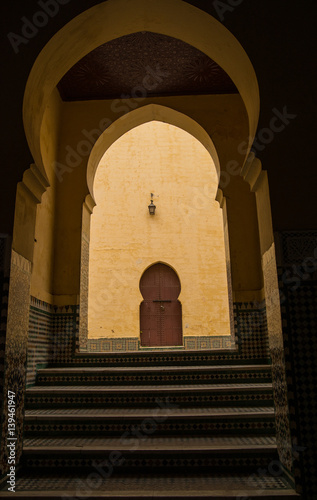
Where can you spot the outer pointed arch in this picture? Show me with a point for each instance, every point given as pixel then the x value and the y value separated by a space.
pixel 115 18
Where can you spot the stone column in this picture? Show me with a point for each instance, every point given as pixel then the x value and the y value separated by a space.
pixel 29 193
pixel 223 205
pixel 88 207
pixel 258 180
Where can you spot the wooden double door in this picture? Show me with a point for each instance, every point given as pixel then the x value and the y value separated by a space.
pixel 160 311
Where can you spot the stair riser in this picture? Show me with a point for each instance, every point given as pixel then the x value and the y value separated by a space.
pixel 148 400
pixel 149 426
pixel 248 443
pixel 154 378
pixel 168 358
pixel 142 463
pixel 269 495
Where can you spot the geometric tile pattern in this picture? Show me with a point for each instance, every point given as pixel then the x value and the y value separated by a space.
pixel 4 290
pixel 133 344
pixel 228 397
pixel 92 443
pixel 250 326
pixel 298 247
pixel 129 377
pixel 249 427
pixel 229 434
pixel 283 436
pixel 59 346
pixel 300 333
pixel 15 352
pixel 234 388
pixel 41 323
pixel 210 412
pixel 84 286
pixel 297 273
pixel 251 343
pixel 52 335
pixel 65 333
pixel 129 62
pixel 203 461
pixel 200 482
pixel 251 330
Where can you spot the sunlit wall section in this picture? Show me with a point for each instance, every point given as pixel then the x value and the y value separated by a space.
pixel 186 231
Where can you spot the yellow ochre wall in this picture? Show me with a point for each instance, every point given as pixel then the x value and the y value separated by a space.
pixel 43 257
pixel 185 233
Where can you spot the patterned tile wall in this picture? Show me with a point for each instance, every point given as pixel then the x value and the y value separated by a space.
pixel 133 344
pixel 4 289
pixel 250 330
pixel 297 271
pixel 275 334
pixel 52 335
pixel 41 324
pixel 15 353
pixel 4 293
pixel 65 339
pixel 60 345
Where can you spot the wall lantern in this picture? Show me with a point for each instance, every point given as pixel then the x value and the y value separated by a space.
pixel 152 207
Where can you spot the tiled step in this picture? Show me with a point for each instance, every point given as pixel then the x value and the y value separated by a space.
pixel 166 357
pixel 155 375
pixel 136 451
pixel 167 420
pixel 32 485
pixel 124 396
pixel 149 422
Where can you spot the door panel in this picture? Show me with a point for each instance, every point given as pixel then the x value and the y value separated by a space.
pixel 171 323
pixel 150 323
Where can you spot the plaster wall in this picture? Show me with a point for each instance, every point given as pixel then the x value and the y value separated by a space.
pixel 186 232
pixel 43 253
pixel 223 118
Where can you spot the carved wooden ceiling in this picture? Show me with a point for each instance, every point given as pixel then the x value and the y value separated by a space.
pixel 144 64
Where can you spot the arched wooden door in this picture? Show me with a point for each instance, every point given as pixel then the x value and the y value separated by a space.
pixel 160 311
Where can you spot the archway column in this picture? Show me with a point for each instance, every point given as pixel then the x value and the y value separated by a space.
pixel 258 180
pixel 29 193
pixel 223 205
pixel 88 207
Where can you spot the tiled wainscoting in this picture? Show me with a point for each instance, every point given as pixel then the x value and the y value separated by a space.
pixel 4 288
pixel 297 271
pixel 250 325
pixel 53 332
pixel 53 337
pixel 133 344
pixel 4 292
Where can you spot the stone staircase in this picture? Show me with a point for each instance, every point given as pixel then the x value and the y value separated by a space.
pixel 152 431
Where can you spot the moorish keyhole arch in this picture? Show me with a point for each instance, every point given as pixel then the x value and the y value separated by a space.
pixel 160 311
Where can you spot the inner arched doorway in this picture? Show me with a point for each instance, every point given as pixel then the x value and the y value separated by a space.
pixel 160 311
